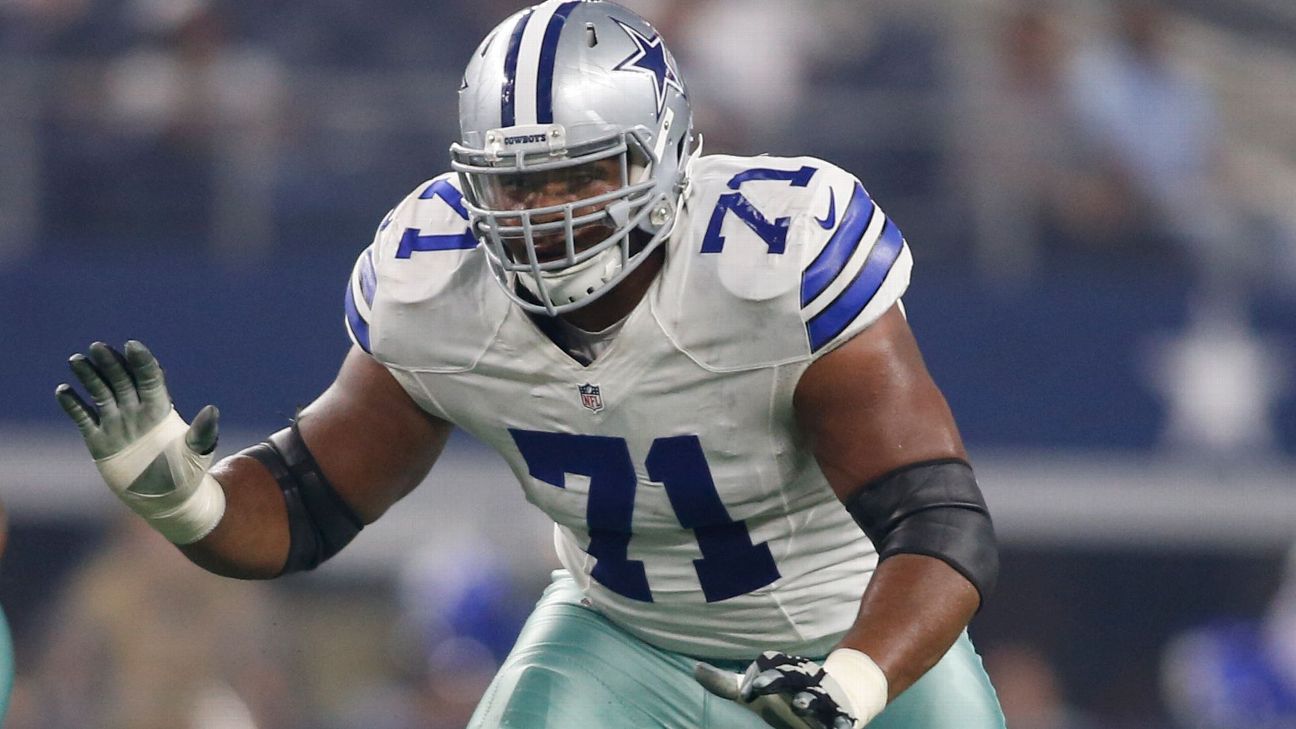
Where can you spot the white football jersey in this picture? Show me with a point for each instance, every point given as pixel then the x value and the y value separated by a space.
pixel 686 503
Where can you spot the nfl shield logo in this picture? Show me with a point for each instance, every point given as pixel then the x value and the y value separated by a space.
pixel 591 398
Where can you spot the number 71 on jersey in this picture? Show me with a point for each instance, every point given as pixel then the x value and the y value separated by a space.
pixel 730 565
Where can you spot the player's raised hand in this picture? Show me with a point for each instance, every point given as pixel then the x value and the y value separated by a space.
pixel 791 692
pixel 149 457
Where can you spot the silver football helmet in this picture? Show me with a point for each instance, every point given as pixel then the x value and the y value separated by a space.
pixel 560 95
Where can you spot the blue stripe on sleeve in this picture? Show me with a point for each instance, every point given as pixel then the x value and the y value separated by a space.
pixel 548 52
pixel 508 97
pixel 833 320
pixel 368 277
pixel 850 231
pixel 356 323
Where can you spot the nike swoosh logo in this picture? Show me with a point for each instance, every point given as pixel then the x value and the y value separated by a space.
pixel 828 222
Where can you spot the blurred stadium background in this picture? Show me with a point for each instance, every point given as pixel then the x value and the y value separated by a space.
pixel 1101 199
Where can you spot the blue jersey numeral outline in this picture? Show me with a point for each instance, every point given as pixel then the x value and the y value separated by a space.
pixel 774 233
pixel 731 565
pixel 412 241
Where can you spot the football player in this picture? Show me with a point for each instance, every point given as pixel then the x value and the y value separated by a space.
pixel 699 367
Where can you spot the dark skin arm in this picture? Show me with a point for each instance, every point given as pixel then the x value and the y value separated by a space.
pixel 870 407
pixel 371 440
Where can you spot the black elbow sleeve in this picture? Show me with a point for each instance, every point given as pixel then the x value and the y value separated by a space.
pixel 936 509
pixel 320 523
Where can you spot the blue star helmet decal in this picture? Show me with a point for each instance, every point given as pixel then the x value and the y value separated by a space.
pixel 650 58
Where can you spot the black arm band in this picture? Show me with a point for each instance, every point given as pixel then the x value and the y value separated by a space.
pixel 320 523
pixel 936 509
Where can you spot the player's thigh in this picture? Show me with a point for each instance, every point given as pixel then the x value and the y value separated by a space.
pixel 573 668
pixel 955 694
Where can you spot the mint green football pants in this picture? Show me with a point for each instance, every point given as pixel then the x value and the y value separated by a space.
pixel 572 668
pixel 6 666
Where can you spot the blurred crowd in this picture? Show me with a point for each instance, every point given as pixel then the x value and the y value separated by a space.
pixel 1037 131
pixel 1012 139
pixel 138 638
pixel 1117 146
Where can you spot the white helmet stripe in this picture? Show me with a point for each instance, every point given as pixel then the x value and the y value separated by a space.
pixel 548 56
pixel 528 65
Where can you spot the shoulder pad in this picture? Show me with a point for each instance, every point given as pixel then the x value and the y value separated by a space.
pixel 790 256
pixel 421 296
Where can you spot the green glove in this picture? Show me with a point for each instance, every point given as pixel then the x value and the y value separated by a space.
pixel 149 457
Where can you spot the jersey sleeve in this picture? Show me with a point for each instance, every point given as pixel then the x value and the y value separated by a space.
pixel 855 266
pixel 415 244
pixel 778 260
pixel 359 299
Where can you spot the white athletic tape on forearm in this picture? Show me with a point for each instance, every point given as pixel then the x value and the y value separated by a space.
pixel 196 516
pixel 193 504
pixel 862 681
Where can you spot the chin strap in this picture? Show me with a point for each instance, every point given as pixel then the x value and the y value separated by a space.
pixel 573 284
